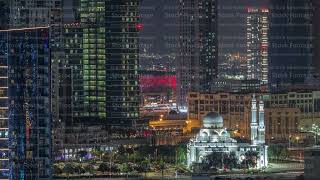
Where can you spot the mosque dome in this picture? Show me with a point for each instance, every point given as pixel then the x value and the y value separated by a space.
pixel 212 120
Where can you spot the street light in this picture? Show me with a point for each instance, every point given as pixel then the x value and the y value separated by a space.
pixel 289 140
pixel 161 116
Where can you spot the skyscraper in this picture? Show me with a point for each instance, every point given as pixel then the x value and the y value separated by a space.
pixel 73 38
pixel 290 50
pixel 316 38
pixel 198 53
pixel 92 14
pixel 30 13
pixel 4 14
pixel 110 59
pixel 159 35
pixel 25 102
pixel 4 133
pixel 257 44
pixel 122 54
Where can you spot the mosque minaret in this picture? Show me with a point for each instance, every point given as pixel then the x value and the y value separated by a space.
pixel 261 129
pixel 254 124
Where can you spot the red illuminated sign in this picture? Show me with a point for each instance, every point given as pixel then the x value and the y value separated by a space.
pixel 139 27
pixel 154 81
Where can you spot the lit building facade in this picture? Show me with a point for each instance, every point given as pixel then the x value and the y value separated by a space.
pixel 308 102
pixel 284 112
pixel 110 61
pixel 26 83
pixel 123 95
pixel 282 123
pixel 30 13
pixel 257 44
pixel 235 85
pixel 235 108
pixel 92 14
pixel 73 43
pixel 233 66
pixel 197 59
pixel 4 108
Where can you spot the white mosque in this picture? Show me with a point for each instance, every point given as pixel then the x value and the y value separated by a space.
pixel 213 137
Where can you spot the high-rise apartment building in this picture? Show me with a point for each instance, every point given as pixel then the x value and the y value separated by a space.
pixel 197 59
pixel 257 44
pixel 30 13
pixel 290 47
pixel 159 35
pixel 4 109
pixel 101 51
pixel 25 102
pixel 108 71
pixel 92 14
pixel 4 14
pixel 316 38
pixel 122 53
pixel 73 38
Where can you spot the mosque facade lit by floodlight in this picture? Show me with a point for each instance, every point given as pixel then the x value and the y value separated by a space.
pixel 213 137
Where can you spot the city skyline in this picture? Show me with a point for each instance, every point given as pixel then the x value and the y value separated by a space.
pixel 159 89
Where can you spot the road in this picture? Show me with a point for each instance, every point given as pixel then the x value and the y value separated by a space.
pixel 271 176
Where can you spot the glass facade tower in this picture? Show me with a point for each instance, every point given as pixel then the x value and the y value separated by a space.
pixel 110 59
pixel 25 101
pixel 73 37
pixel 257 44
pixel 122 61
pixel 92 14
pixel 4 149
pixel 291 44
pixel 197 62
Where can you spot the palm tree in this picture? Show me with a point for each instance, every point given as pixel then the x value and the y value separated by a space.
pixel 162 167
pixel 126 168
pixel 68 169
pixel 284 153
pixel 251 158
pixel 89 168
pixel 145 166
pixel 214 160
pixel 97 153
pixel 181 155
pixel 103 167
pixel 230 160
pixel 57 169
